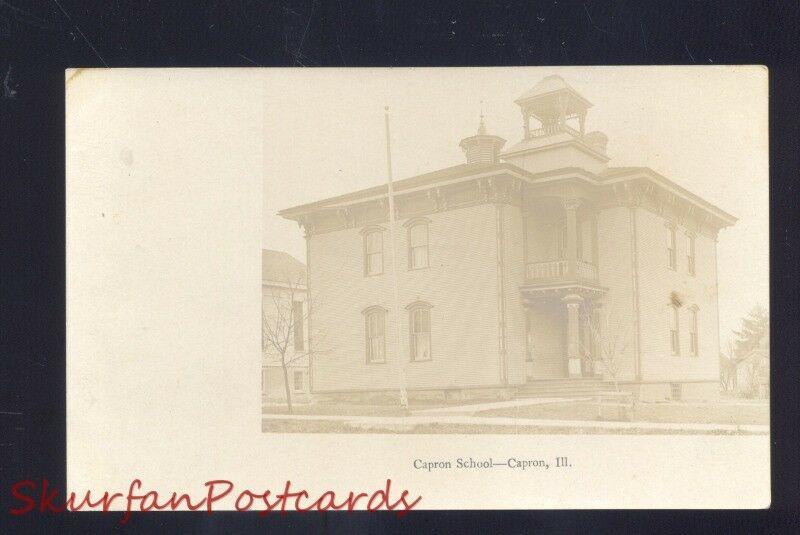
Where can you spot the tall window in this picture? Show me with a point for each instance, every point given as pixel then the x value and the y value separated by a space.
pixel 561 241
pixel 674 340
pixel 419 319
pixel 418 245
pixel 375 327
pixel 297 325
pixel 672 248
pixel 298 381
pixel 690 253
pixel 373 252
pixel 693 346
pixel 529 340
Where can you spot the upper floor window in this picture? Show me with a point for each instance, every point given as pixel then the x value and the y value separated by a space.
pixel 419 319
pixel 674 339
pixel 690 253
pixel 694 348
pixel 418 244
pixel 297 325
pixel 672 249
pixel 375 329
pixel 373 252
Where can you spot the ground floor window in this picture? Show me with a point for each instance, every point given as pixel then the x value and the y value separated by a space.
pixel 674 340
pixel 375 331
pixel 529 341
pixel 298 381
pixel 419 317
pixel 675 391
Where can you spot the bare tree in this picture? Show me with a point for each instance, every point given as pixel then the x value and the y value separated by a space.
pixel 282 323
pixel 727 368
pixel 608 341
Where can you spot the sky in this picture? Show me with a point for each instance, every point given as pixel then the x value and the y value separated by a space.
pixel 704 128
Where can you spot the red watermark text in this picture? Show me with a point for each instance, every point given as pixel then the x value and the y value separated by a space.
pixel 41 497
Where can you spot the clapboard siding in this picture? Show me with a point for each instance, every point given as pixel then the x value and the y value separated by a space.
pixel 658 281
pixel 460 285
pixel 514 277
pixel 615 272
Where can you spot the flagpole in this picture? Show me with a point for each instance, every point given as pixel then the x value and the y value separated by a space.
pixel 400 362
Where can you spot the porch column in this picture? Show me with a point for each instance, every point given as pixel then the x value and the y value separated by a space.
pixel 571 254
pixel 573 303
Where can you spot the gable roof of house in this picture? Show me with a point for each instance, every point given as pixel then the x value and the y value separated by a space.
pixel 277 266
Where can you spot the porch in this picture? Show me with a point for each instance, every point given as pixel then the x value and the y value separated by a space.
pixel 561 292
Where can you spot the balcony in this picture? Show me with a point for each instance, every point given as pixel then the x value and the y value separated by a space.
pixel 561 270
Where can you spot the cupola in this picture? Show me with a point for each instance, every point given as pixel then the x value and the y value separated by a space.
pixel 482 147
pixel 553 104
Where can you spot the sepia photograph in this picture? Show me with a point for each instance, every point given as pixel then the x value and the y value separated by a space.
pixel 524 250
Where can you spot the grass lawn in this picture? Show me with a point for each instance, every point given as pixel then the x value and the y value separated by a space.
pixel 708 413
pixel 322 426
pixel 338 409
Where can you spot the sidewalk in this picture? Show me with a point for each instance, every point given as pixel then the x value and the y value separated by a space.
pixel 402 423
pixel 478 407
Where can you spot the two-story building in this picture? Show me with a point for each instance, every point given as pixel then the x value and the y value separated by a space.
pixel 284 315
pixel 537 262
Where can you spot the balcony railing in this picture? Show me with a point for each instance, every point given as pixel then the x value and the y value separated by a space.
pixel 540 271
pixel 556 270
pixel 553 129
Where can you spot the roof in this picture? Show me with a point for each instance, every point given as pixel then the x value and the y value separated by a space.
pixel 550 84
pixel 658 178
pixel 442 175
pixel 277 266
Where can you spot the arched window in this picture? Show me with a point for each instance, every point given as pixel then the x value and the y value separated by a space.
pixel 694 347
pixel 417 243
pixel 673 322
pixel 375 334
pixel 419 328
pixel 690 253
pixel 373 251
pixel 672 247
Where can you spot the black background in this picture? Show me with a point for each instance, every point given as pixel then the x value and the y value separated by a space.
pixel 38 40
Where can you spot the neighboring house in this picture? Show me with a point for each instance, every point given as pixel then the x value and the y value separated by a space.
pixel 752 371
pixel 502 259
pixel 284 298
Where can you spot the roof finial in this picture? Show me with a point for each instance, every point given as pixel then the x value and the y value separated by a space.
pixel 481 126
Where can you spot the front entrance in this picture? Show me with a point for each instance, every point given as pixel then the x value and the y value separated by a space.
pixel 546 343
pixel 545 348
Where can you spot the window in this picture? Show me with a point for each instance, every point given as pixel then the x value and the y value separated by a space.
pixel 375 328
pixel 693 347
pixel 675 391
pixel 672 248
pixel 561 241
pixel 373 252
pixel 674 340
pixel 419 318
pixel 418 245
pixel 297 325
pixel 529 340
pixel 298 381
pixel 690 253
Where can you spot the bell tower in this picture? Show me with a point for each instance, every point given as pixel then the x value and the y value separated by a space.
pixel 554 126
pixel 555 106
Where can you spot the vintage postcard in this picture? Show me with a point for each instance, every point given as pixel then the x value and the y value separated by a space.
pixel 496 287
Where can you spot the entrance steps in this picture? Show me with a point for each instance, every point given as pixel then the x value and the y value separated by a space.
pixel 563 388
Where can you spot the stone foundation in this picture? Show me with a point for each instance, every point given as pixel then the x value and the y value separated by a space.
pixel 685 391
pixel 444 395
